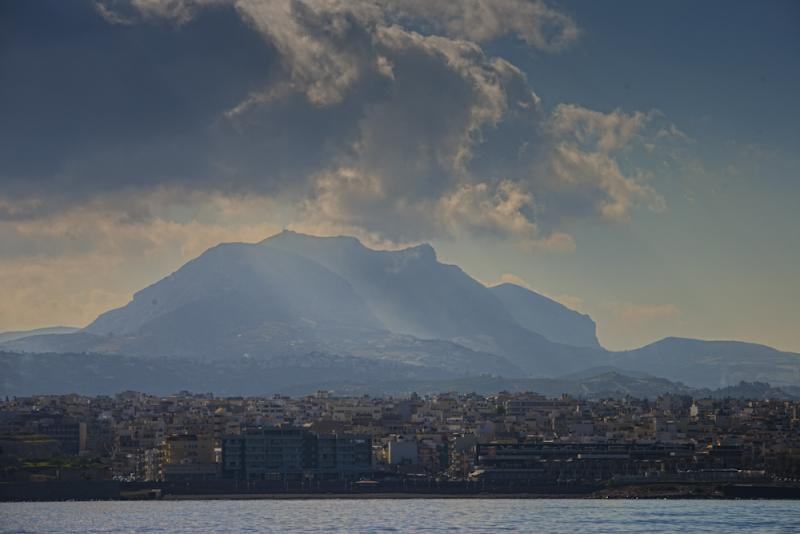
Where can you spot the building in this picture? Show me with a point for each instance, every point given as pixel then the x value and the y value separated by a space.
pixel 342 456
pixel 189 457
pixel 402 452
pixel 69 433
pixel 548 462
pixel 281 453
pixel 133 436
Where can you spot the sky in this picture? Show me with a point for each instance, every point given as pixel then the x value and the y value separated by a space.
pixel 637 161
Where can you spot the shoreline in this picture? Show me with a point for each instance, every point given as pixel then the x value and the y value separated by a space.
pixel 405 497
pixel 43 492
pixel 417 496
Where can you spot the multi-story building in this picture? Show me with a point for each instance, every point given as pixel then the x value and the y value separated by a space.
pixel 275 453
pixel 189 457
pixel 548 462
pixel 70 433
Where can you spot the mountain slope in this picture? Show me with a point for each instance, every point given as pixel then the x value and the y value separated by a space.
pixel 263 303
pixel 553 320
pixel 411 292
pixel 237 286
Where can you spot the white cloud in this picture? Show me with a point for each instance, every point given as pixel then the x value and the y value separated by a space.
pixel 509 278
pixel 582 168
pixel 483 20
pixel 111 16
pixel 594 183
pixel 597 131
pixel 483 208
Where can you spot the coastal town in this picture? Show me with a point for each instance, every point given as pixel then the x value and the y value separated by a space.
pixel 325 441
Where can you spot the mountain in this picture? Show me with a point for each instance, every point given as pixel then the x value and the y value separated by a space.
pixel 411 292
pixel 294 309
pixel 263 302
pixel 553 320
pixel 235 287
pixel 755 390
pixel 12 336
pixel 702 363
pixel 96 374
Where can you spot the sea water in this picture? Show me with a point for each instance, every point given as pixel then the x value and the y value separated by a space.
pixel 404 515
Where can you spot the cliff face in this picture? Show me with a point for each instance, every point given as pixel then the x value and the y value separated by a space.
pixel 553 320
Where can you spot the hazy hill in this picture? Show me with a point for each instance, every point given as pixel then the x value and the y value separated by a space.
pixel 712 363
pixel 96 374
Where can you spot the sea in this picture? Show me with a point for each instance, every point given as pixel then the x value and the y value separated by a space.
pixel 404 515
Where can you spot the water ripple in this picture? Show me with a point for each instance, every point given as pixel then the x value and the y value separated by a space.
pixel 412 515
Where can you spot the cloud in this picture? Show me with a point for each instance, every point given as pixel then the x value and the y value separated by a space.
pixel 387 119
pixel 499 210
pixel 555 241
pixel 582 168
pixel 597 131
pixel 509 278
pixel 484 20
pixel 127 11
pixel 70 266
pixel 111 16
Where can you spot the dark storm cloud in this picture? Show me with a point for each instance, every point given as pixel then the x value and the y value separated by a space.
pixel 381 116
pixel 89 107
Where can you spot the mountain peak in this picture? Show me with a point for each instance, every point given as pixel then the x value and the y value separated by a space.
pixel 289 236
pixel 424 252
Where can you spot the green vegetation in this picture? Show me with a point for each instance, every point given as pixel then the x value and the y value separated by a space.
pixel 26 438
pixel 63 463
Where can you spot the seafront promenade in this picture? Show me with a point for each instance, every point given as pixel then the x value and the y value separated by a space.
pixel 230 490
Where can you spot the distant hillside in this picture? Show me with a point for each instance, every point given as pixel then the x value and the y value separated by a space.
pixel 97 374
pixel 712 363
